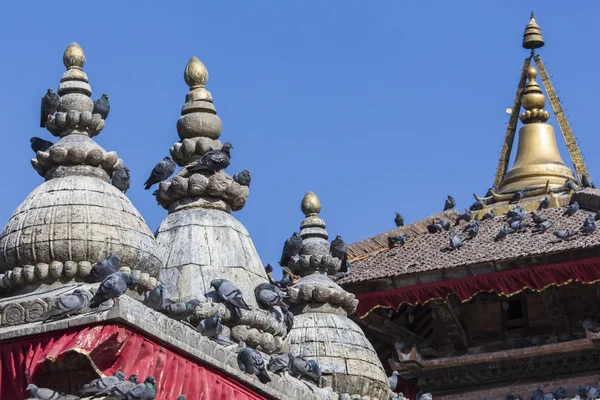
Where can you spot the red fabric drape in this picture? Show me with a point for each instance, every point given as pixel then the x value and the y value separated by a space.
pixel 504 283
pixel 113 348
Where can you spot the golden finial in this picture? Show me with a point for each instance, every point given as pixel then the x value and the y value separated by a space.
pixel 532 38
pixel 73 56
pixel 195 74
pixel 533 100
pixel 310 204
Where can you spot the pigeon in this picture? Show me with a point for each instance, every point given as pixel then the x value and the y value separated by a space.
pixel 269 269
pixel 280 362
pixel 545 203
pixel 434 227
pixel 229 293
pixel 393 380
pixel 121 179
pixel 154 298
pixel 397 240
pixel 588 227
pixel 489 215
pixel 445 224
pixel 478 205
pixel 564 235
pixel 270 296
pixel 181 310
pixel 39 144
pixel 213 160
pixel 47 394
pixel 517 197
pixel 517 225
pixel 399 220
pixel 288 317
pixel 473 231
pixel 50 103
pixel 517 213
pixel 243 178
pixel 303 368
pixel 101 106
pixel 68 304
pixel 543 227
pixel 119 389
pixel 537 219
pixel 211 327
pixel 450 203
pixel 571 186
pixel 589 220
pixel 98 385
pixel 472 224
pixel 561 393
pixel 455 242
pixel 291 247
pixel 586 183
pixel 112 287
pixel 288 279
pixel 143 391
pixel 338 249
pixel 251 362
pixel 502 233
pixel 163 170
pixel 572 209
pixel 549 396
pixel 582 391
pixel 467 216
pixel 538 395
pixel 104 268
pixel 593 393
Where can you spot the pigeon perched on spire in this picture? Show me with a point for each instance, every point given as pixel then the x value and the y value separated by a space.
pixel 104 268
pixel 517 197
pixel 121 179
pixel 399 220
pixel 572 209
pixel 213 160
pixel 251 362
pixel 162 171
pixel 586 182
pixel 466 216
pixel 211 327
pixel 230 294
pixel 180 311
pixel 270 296
pixel 291 247
pixel 455 242
pixel 450 203
pixel 502 233
pixel 39 144
pixel 545 203
pixel 489 215
pixel 102 106
pixel 112 287
pixel 50 103
pixel 397 240
pixel 68 304
pixel 243 178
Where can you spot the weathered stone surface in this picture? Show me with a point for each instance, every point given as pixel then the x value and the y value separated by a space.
pixel 77 218
pixel 202 245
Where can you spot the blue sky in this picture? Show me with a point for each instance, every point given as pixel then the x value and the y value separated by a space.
pixel 377 107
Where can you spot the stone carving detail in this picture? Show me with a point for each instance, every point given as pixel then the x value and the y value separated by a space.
pixel 75 218
pixel 35 309
pixel 13 314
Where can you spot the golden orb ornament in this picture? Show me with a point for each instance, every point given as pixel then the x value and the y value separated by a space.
pixel 195 73
pixel 73 56
pixel 310 204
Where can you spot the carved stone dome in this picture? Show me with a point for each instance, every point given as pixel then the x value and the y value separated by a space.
pixel 77 218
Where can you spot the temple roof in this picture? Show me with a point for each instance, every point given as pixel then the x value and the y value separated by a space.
pixel 373 258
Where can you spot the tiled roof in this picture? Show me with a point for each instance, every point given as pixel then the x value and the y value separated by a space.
pixel 373 258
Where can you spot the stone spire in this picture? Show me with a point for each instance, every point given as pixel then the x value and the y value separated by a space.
pixel 322 329
pixel 199 129
pixel 76 217
pixel 200 240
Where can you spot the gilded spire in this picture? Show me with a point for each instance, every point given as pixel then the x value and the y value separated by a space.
pixel 311 205
pixel 196 76
pixel 532 38
pixel 533 100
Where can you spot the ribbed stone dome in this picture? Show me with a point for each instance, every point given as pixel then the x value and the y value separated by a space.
pixel 77 218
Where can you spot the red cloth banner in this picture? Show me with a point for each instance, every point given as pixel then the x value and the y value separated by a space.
pixel 504 283
pixel 112 348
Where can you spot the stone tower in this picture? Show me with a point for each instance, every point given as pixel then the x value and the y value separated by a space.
pixel 76 217
pixel 322 329
pixel 200 240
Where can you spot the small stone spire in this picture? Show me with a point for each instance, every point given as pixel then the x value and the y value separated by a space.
pixel 75 123
pixel 532 38
pixel 533 100
pixel 199 129
pixel 322 306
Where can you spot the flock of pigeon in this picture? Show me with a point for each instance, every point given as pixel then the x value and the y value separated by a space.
pixel 211 162
pixel 583 393
pixel 515 221
pixel 114 283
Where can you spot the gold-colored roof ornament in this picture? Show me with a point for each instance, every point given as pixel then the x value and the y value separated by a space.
pixel 538 162
pixel 532 38
pixel 311 205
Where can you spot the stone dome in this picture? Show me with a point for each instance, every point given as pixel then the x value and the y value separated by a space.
pixel 77 218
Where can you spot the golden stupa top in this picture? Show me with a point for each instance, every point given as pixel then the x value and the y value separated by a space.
pixel 311 205
pixel 533 100
pixel 532 38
